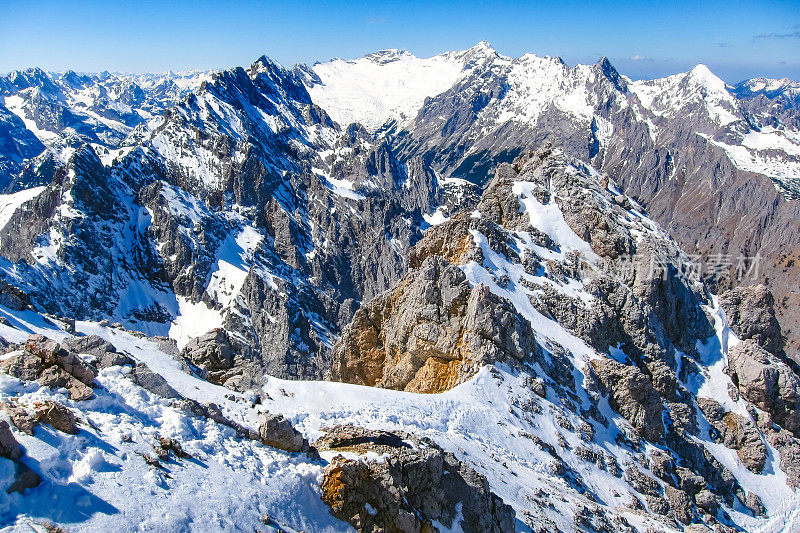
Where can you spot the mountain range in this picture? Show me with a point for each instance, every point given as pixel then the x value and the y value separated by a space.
pixel 541 297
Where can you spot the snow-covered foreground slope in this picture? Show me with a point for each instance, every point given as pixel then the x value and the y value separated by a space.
pixel 230 483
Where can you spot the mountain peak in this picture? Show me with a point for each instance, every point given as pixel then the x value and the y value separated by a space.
pixel 608 70
pixel 704 77
pixel 483 46
pixel 389 55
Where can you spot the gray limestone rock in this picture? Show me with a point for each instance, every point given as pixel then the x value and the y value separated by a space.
pixel 276 431
pixel 767 382
pixel 750 310
pixel 417 484
pixel 632 395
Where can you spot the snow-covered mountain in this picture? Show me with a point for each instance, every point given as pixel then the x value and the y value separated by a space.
pixel 602 401
pixel 66 110
pixel 467 229
pixel 696 152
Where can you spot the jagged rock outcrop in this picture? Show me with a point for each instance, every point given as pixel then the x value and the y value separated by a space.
pixel 737 433
pixel 430 333
pixel 750 311
pixel 105 353
pixel 416 484
pixel 211 353
pixel 45 360
pixel 767 382
pixel 57 416
pixel 13 297
pixel 632 395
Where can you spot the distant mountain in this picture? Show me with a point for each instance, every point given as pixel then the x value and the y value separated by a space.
pixel 66 110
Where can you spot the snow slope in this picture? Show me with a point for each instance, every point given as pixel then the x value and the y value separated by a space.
pixel 11 202
pixel 386 85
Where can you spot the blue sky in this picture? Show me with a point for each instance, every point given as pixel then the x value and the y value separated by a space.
pixel 643 39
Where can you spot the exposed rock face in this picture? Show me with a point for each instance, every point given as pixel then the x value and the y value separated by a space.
pixel 737 433
pixel 105 353
pixel 13 298
pixel 767 382
pixel 430 333
pixel 53 366
pixel 417 483
pixel 751 315
pixel 211 353
pixel 789 448
pixel 276 431
pixel 632 395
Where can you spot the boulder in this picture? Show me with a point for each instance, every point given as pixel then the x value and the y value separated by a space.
pixel 152 382
pixel 211 353
pixel 767 382
pixel 276 431
pixel 20 417
pixel 57 377
pixel 105 352
pixel 48 362
pixel 416 484
pixel 56 415
pixel 51 353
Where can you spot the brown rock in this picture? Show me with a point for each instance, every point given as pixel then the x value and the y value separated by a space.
pixel 417 484
pixel 430 333
pixel 45 360
pixel 57 377
pixel 20 417
pixel 57 416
